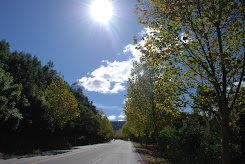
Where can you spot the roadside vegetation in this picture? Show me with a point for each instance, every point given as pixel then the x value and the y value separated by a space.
pixel 149 155
pixel 186 94
pixel 40 111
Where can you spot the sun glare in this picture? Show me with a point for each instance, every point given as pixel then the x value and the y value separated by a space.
pixel 101 11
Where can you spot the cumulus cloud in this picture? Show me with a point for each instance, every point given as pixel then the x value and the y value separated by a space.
pixel 108 78
pixel 112 117
pixel 111 77
pixel 95 84
pixel 122 116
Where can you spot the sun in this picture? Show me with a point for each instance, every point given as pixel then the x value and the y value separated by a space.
pixel 101 11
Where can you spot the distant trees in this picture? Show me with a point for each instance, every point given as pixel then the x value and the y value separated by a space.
pixel 106 130
pixel 39 110
pixel 145 105
pixel 140 107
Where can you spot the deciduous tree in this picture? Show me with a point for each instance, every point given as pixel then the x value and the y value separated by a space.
pixel 205 40
pixel 61 105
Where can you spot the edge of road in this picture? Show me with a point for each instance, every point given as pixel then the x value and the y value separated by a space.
pixel 142 161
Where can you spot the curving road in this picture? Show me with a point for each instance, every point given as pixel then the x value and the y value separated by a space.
pixel 114 152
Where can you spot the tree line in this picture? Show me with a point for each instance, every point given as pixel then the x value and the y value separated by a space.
pixel 39 110
pixel 193 59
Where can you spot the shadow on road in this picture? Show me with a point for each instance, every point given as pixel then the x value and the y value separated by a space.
pixel 46 153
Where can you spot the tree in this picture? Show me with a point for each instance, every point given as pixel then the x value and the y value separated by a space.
pixel 140 108
pixel 88 124
pixel 61 105
pixel 34 78
pixel 36 104
pixel 106 130
pixel 10 115
pixel 204 41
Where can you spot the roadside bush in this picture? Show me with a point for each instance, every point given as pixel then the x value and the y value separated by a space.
pixel 190 141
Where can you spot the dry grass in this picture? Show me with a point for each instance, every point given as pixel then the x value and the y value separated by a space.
pixel 149 154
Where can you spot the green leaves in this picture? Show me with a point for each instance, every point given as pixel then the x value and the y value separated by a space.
pixel 106 129
pixel 61 105
pixel 9 98
pixel 34 101
pixel 200 48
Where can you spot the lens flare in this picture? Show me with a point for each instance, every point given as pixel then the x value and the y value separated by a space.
pixel 101 11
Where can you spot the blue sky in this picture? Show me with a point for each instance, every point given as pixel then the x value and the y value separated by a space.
pixel 97 56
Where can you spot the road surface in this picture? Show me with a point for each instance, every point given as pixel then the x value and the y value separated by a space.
pixel 114 152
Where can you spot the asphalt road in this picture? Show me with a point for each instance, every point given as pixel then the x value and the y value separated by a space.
pixel 114 152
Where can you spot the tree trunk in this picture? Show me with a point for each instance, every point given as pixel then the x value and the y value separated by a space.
pixel 146 142
pixel 225 136
pixel 225 111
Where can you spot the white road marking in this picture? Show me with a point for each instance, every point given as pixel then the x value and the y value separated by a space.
pixel 96 161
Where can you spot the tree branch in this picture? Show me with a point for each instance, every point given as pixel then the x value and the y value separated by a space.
pixel 240 82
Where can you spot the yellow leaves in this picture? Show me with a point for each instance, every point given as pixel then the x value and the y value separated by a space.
pixel 153 56
pixel 232 3
pixel 135 39
pixel 151 1
pixel 142 2
pixel 143 51
pixel 176 114
pixel 61 104
pixel 230 124
pixel 238 23
pixel 106 129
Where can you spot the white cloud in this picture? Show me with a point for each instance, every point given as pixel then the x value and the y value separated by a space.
pixel 124 101
pixel 122 116
pixel 132 49
pixel 111 77
pixel 105 107
pixel 95 84
pixel 117 87
pixel 147 31
pixel 111 118
pixel 121 120
pixel 113 71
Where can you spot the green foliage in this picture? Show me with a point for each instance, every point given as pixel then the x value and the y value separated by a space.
pixel 117 125
pixel 42 108
pixel 190 140
pixel 61 106
pixel 106 130
pixel 34 78
pixel 147 108
pixel 10 115
pixel 139 107
pixel 198 45
pixel 88 124
pixel 118 134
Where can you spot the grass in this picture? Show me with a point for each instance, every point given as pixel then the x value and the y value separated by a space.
pixel 1 155
pixel 149 154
